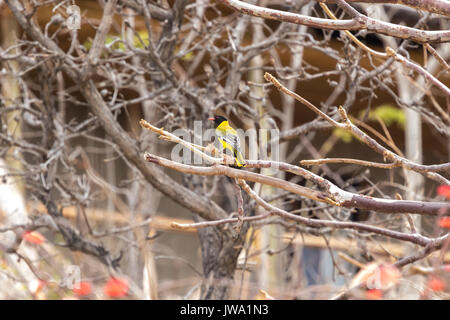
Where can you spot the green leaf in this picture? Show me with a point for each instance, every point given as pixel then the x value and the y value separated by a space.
pixel 343 135
pixel 88 44
pixel 143 35
pixel 188 56
pixel 389 115
pixel 118 44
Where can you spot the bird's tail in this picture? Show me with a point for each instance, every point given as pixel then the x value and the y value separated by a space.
pixel 240 162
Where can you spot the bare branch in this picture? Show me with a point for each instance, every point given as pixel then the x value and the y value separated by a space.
pixel 359 22
pixel 352 37
pixel 156 12
pixel 217 170
pixel 435 6
pixel 334 196
pixel 438 57
pixel 428 170
pixel 413 66
pixel 240 203
pixel 414 238
pixel 350 161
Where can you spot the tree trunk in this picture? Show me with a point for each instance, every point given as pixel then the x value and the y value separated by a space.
pixel 219 257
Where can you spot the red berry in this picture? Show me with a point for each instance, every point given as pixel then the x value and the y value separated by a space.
pixel 116 287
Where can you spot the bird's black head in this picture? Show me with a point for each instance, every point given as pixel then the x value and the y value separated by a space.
pixel 217 120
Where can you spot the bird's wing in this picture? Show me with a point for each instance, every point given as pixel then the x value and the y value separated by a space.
pixel 230 138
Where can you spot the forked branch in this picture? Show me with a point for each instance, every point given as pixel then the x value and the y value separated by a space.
pixel 428 170
pixel 358 21
pixel 329 192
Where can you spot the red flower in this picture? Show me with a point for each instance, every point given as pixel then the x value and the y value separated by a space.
pixel 444 222
pixel 33 237
pixel 116 287
pixel 374 294
pixel 444 190
pixel 436 284
pixel 83 288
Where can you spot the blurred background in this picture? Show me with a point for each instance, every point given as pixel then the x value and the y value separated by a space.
pixel 176 62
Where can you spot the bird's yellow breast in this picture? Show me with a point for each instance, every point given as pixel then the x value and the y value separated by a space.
pixel 225 128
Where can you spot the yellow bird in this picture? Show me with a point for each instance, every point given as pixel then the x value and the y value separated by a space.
pixel 229 139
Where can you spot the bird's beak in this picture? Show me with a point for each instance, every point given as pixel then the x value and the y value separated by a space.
pixel 211 119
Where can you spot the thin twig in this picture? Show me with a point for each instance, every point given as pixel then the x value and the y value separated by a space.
pixel 350 161
pixel 413 66
pixel 240 203
pixel 428 170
